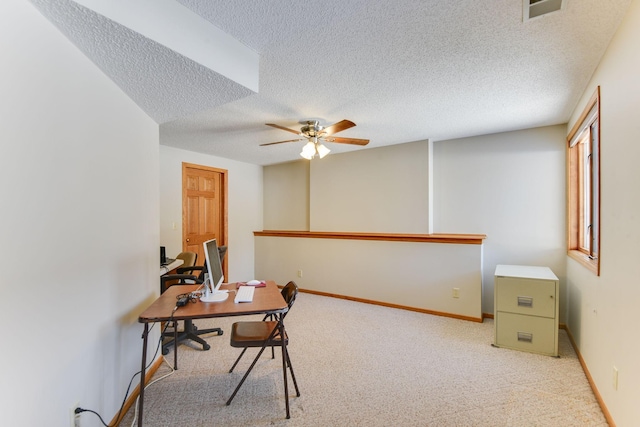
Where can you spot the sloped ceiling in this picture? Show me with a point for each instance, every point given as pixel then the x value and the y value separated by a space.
pixel 403 70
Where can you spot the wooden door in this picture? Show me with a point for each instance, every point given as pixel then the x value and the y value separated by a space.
pixel 204 208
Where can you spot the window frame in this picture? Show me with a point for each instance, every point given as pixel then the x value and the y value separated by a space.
pixel 583 187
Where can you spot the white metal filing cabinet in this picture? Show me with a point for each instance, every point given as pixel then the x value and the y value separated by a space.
pixel 526 309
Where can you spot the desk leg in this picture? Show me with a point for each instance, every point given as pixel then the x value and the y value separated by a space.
pixel 143 369
pixel 175 344
pixel 284 364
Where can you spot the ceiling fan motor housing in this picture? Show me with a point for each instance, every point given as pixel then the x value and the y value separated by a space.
pixel 312 128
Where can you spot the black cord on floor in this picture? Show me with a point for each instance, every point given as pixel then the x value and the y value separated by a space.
pixel 80 410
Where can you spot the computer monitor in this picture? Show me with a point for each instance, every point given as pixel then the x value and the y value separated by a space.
pixel 212 291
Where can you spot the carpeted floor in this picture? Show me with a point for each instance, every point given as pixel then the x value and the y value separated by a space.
pixel 365 365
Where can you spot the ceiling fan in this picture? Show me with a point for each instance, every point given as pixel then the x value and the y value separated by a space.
pixel 315 133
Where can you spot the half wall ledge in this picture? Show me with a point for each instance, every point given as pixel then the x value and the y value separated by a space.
pixel 438 274
pixel 462 239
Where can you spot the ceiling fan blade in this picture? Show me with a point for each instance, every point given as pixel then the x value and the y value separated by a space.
pixel 297 132
pixel 338 127
pixel 354 141
pixel 280 142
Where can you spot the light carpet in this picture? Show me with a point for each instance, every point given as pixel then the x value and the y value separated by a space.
pixel 365 365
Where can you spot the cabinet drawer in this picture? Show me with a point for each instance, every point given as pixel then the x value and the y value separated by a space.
pixel 527 333
pixel 525 296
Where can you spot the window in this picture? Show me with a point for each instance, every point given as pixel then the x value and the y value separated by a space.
pixel 583 187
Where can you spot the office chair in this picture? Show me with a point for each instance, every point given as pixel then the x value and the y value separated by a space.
pixel 265 334
pixel 188 258
pixel 190 331
pixel 188 261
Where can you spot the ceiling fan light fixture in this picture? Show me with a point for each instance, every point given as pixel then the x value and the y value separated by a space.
pixel 313 148
pixel 322 150
pixel 308 151
pixel 316 134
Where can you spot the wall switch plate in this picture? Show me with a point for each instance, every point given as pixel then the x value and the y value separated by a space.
pixel 456 293
pixel 299 273
pixel 615 378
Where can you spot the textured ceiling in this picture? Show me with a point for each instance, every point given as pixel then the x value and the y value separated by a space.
pixel 403 70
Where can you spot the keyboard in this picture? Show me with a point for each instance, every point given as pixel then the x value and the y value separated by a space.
pixel 244 294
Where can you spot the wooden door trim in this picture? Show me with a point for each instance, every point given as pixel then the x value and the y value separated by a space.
pixel 223 173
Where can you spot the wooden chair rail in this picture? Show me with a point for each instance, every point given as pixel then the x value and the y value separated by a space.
pixel 465 239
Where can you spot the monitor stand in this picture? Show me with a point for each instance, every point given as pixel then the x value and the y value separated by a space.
pixel 215 297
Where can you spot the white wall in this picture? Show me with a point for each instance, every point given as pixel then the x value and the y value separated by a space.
pixel 511 187
pixel 384 190
pixel 603 311
pixel 287 207
pixel 379 190
pixel 78 229
pixel 419 275
pixel 244 206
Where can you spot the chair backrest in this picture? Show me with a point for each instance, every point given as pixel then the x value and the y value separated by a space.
pixel 188 258
pixel 289 293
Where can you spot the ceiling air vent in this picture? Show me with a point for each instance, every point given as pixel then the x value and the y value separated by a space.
pixel 535 8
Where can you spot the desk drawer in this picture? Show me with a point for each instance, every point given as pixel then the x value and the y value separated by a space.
pixel 525 296
pixel 527 333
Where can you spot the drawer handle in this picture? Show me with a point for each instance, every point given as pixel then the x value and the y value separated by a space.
pixel 525 302
pixel 525 336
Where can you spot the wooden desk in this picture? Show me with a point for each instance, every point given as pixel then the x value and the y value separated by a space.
pixel 265 300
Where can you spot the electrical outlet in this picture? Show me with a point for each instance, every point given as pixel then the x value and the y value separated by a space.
pixel 615 378
pixel 74 418
pixel 456 293
pixel 299 273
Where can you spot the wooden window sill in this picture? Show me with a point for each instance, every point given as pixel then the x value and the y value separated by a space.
pixel 593 265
